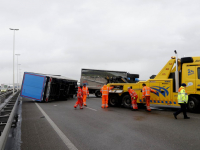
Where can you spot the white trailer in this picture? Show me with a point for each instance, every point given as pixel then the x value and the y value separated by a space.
pixel 95 79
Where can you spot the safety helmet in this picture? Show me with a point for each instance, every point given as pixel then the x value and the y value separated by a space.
pixel 183 84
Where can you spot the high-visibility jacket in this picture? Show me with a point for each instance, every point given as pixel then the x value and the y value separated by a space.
pixel 182 95
pixel 132 93
pixel 80 93
pixel 105 90
pixel 146 91
pixel 85 90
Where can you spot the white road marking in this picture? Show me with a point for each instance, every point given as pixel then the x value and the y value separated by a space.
pixel 67 142
pixel 90 108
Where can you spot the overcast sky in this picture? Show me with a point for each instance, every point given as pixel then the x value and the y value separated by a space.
pixel 63 36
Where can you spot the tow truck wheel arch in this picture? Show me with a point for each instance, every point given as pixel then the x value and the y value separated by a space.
pixel 194 103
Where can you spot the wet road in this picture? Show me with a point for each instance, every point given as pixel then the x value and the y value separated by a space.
pixel 111 128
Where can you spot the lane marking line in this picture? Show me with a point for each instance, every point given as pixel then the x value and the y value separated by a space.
pixel 90 108
pixel 67 142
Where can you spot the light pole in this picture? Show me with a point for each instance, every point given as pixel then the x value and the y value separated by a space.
pixel 17 77
pixel 20 76
pixel 14 59
pixel 17 70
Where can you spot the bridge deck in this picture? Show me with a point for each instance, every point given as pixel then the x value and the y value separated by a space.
pixel 37 133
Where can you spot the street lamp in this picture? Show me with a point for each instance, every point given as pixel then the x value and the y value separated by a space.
pixel 17 77
pixel 14 59
pixel 17 70
pixel 20 76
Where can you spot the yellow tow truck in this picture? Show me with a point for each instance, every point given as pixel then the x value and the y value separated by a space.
pixel 166 83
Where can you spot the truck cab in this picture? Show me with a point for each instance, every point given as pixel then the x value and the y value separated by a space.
pixel 191 76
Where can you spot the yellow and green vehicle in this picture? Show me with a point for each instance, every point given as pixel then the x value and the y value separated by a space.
pixel 166 83
pixel 4 88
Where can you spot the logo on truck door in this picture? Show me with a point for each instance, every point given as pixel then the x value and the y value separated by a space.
pixel 190 72
pixel 161 90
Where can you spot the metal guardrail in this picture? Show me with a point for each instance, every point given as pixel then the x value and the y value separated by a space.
pixel 6 118
pixel 3 96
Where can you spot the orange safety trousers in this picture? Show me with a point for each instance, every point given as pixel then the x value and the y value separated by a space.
pixel 134 102
pixel 148 103
pixel 79 102
pixel 84 99
pixel 104 101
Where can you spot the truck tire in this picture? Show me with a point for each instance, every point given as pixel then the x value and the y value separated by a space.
pixel 97 93
pixel 193 104
pixel 126 101
pixel 113 100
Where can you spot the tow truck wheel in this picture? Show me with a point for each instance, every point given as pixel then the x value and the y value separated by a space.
pixel 193 104
pixel 113 101
pixel 126 101
pixel 98 94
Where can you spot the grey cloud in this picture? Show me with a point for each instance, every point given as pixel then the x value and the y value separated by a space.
pixel 61 37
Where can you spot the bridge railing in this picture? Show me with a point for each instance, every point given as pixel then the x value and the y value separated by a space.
pixel 7 114
pixel 3 96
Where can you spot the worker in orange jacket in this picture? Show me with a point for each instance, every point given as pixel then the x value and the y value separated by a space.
pixel 146 95
pixel 85 93
pixel 105 91
pixel 79 98
pixel 134 98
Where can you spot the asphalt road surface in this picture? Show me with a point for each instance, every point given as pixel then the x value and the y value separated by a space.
pixel 113 128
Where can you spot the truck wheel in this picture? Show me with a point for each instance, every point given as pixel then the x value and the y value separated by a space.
pixel 98 94
pixel 113 101
pixel 126 101
pixel 193 104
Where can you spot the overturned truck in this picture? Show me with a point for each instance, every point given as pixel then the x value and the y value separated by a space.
pixel 95 79
pixel 44 87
